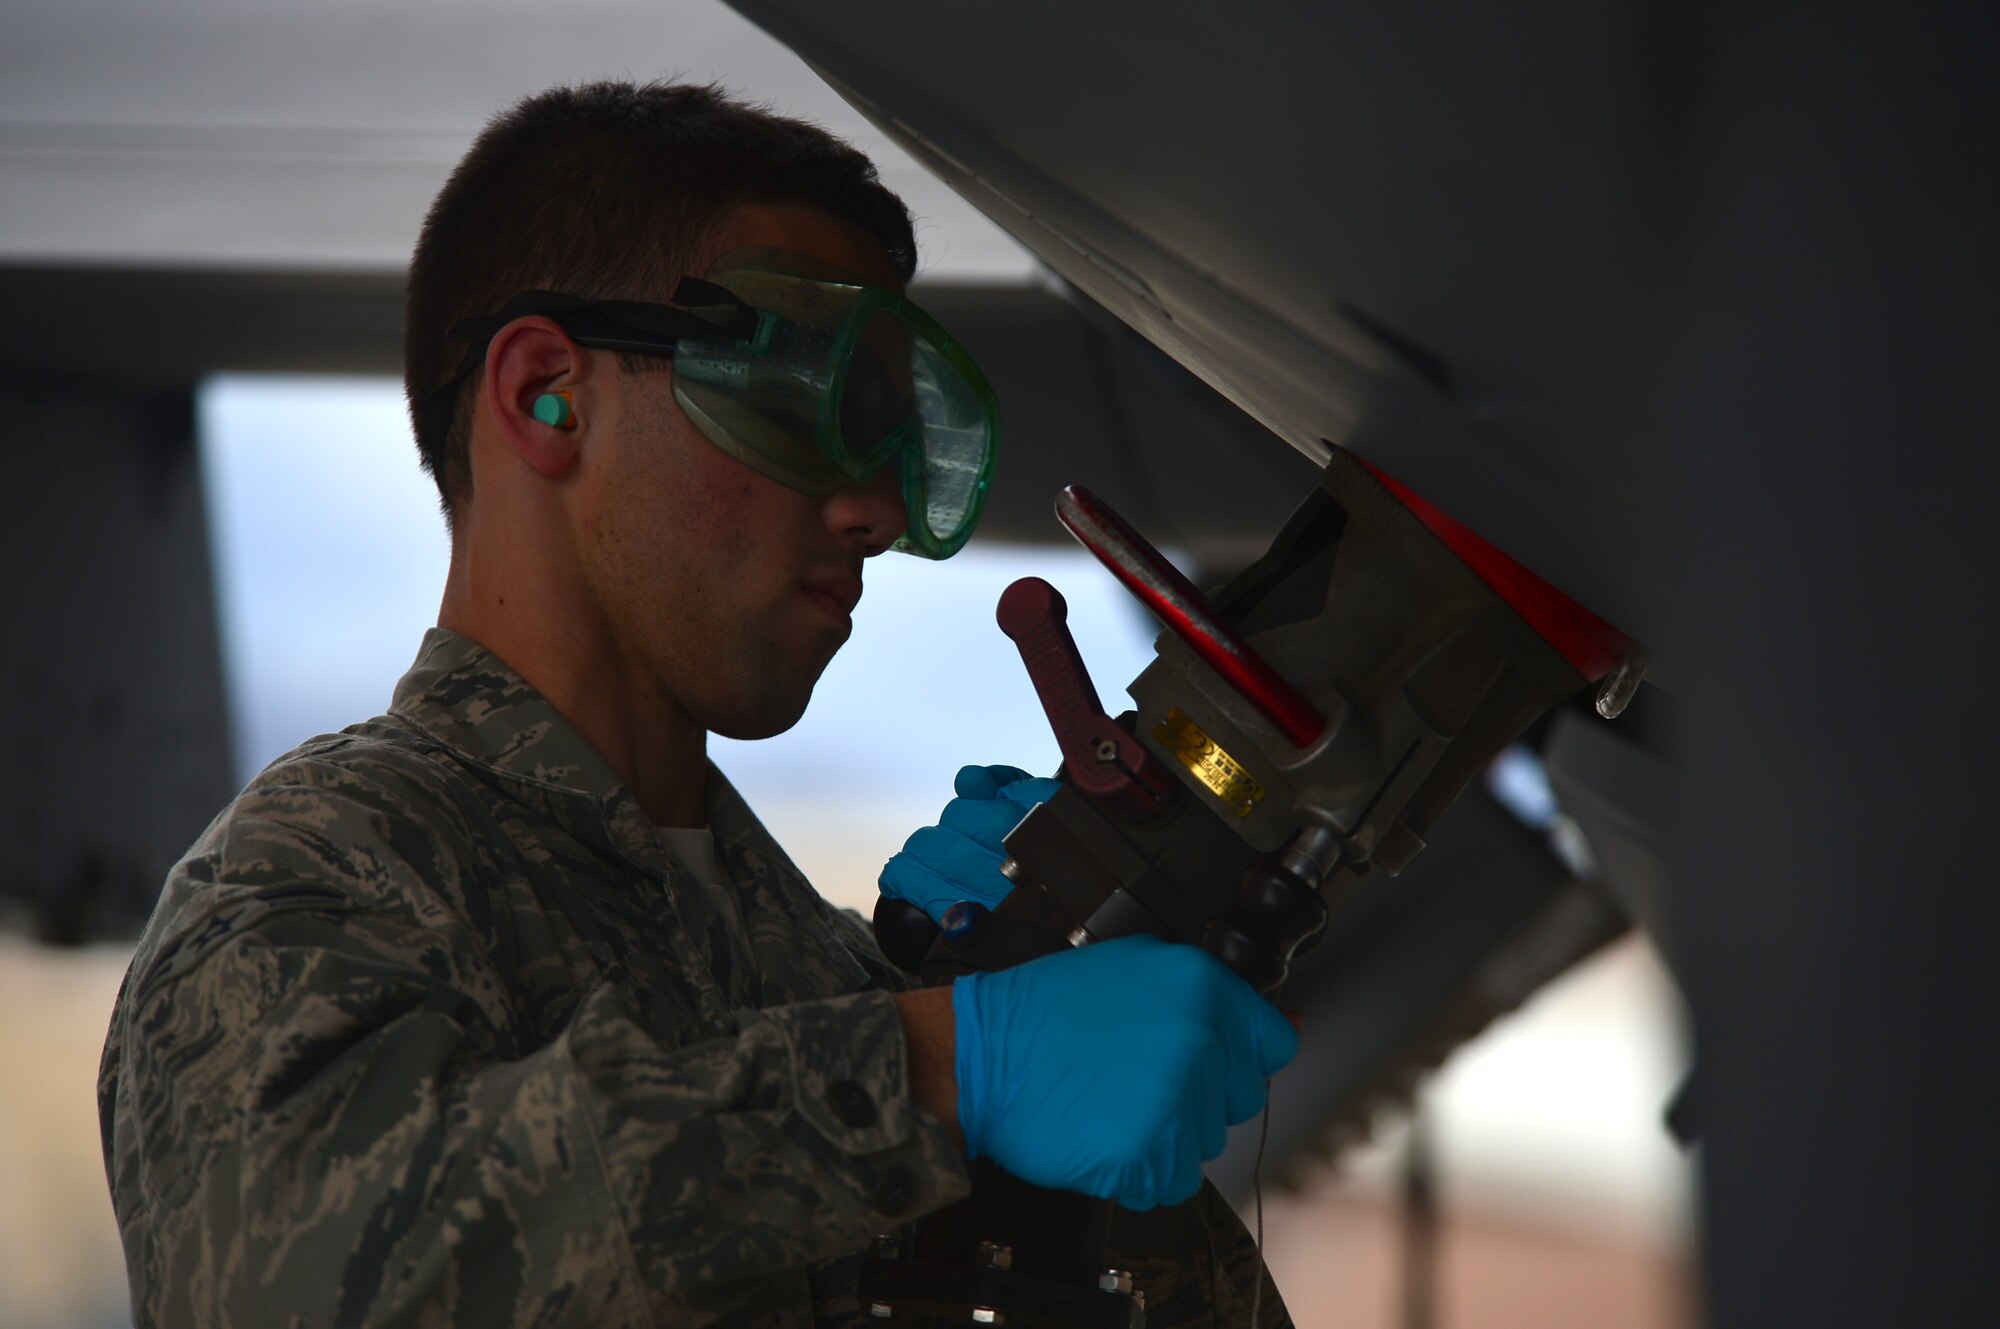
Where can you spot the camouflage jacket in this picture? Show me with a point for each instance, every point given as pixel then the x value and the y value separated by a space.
pixel 430 1028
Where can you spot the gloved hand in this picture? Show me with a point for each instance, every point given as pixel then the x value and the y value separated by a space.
pixel 960 857
pixel 1113 1069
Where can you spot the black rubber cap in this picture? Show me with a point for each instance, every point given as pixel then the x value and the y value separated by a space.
pixel 904 932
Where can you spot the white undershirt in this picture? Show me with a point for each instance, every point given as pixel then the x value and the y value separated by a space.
pixel 693 849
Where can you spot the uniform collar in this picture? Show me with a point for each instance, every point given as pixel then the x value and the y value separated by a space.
pixel 473 703
pixel 467 700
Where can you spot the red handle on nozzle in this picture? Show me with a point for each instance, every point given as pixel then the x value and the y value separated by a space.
pixel 1101 759
pixel 1173 600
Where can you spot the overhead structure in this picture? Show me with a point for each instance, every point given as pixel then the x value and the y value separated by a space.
pixel 1444 243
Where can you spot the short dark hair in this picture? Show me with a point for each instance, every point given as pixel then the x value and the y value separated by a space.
pixel 606 191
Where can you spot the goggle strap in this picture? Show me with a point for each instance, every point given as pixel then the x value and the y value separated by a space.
pixel 707 310
pixel 718 307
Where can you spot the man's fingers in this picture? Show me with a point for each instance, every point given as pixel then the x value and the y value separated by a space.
pixel 908 877
pixel 984 781
pixel 983 821
pixel 1183 1172
pixel 1027 791
pixel 1211 1133
pixel 1243 1092
pixel 1262 1046
pixel 1277 1037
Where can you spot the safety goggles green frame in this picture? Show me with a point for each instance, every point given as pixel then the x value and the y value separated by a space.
pixel 788 374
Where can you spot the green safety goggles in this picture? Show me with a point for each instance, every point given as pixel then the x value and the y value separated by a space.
pixel 808 376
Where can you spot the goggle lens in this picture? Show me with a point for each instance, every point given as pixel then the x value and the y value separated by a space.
pixel 878 411
pixel 904 394
pixel 840 381
pixel 957 450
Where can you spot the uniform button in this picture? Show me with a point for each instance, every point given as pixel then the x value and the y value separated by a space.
pixel 897 1191
pixel 851 1103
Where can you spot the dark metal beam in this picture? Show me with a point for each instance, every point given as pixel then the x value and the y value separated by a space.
pixel 114 746
pixel 1084 400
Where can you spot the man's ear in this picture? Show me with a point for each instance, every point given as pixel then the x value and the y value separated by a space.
pixel 529 359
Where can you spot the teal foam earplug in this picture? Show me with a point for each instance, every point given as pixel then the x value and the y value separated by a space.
pixel 552 408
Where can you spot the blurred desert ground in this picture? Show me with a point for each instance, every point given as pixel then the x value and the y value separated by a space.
pixel 1563 1202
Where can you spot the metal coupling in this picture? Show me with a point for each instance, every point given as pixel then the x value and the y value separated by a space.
pixel 1312 855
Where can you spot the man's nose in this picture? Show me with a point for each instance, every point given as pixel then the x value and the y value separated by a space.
pixel 871 511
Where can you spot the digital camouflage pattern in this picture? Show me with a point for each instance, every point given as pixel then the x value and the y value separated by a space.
pixel 430 1028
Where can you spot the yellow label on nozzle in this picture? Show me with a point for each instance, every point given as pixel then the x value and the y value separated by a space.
pixel 1219 773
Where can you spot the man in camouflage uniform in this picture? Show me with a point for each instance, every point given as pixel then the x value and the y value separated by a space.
pixel 502 1008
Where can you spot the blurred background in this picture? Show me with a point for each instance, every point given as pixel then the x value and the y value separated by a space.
pixel 219 544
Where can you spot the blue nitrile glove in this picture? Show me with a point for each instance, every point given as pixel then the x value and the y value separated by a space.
pixel 1113 1069
pixel 960 857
